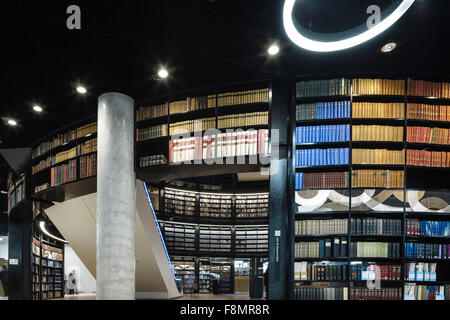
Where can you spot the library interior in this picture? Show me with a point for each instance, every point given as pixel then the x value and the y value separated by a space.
pixel 225 150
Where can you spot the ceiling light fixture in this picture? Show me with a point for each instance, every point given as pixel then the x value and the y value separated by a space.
pixel 1 239
pixel 12 122
pixel 389 47
pixel 163 73
pixel 273 50
pixel 81 90
pixel 301 40
pixel 37 108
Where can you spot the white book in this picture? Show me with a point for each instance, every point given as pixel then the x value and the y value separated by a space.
pixel 219 145
pixel 229 142
pixel 233 144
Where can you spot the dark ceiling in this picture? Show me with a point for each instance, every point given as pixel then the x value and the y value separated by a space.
pixel 203 43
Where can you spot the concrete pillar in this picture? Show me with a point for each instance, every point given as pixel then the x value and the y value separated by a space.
pixel 116 198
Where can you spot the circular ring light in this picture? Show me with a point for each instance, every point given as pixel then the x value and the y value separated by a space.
pixel 328 46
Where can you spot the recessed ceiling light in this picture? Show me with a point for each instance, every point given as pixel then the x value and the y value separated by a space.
pixel 273 50
pixel 81 90
pixel 12 122
pixel 163 73
pixel 37 108
pixel 1 239
pixel 388 47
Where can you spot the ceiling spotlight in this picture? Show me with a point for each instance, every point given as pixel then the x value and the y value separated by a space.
pixel 388 47
pixel 273 50
pixel 163 73
pixel 12 122
pixel 1 239
pixel 37 108
pixel 81 90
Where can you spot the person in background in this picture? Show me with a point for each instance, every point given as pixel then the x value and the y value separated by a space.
pixel 266 282
pixel 71 282
pixel 4 279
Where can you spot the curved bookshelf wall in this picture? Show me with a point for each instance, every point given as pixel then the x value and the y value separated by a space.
pixel 371 189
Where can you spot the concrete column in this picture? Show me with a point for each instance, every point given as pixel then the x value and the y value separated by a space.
pixel 116 198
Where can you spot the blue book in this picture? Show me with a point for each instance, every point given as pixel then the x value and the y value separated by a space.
pixel 322 248
pixel 347 156
pixel 319 110
pixel 322 157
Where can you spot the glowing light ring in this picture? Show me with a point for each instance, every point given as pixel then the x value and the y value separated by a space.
pixel 330 46
pixel 44 230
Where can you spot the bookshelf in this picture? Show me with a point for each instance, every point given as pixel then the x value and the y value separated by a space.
pixel 215 240
pixel 16 190
pixel 65 156
pixel 185 270
pixel 47 269
pixel 370 156
pixel 201 126
pixel 202 206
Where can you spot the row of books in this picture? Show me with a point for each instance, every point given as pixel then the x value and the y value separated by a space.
pixel 420 292
pixel 243 97
pixel 424 158
pixel 420 271
pixel 337 87
pixel 372 226
pixel 321 134
pixel 88 146
pixel 364 249
pixel 427 228
pixel 232 144
pixel 326 248
pixel 192 126
pixel 320 293
pixel 427 250
pixel 377 133
pixel 428 135
pixel 64 173
pixel 152 160
pixel 84 148
pixel 16 195
pixel 324 88
pixel 378 110
pixel 377 179
pixel 378 87
pixel 322 157
pixel 64 138
pixel 188 104
pixel 150 112
pixel 41 187
pixel 243 120
pixel 378 156
pixel 307 271
pixel 58 140
pixel 375 294
pixel 64 155
pixel 86 130
pixel 321 180
pixel 88 166
pixel 323 110
pixel 428 112
pixel 151 133
pixel 428 89
pixel 321 227
pixel 370 272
